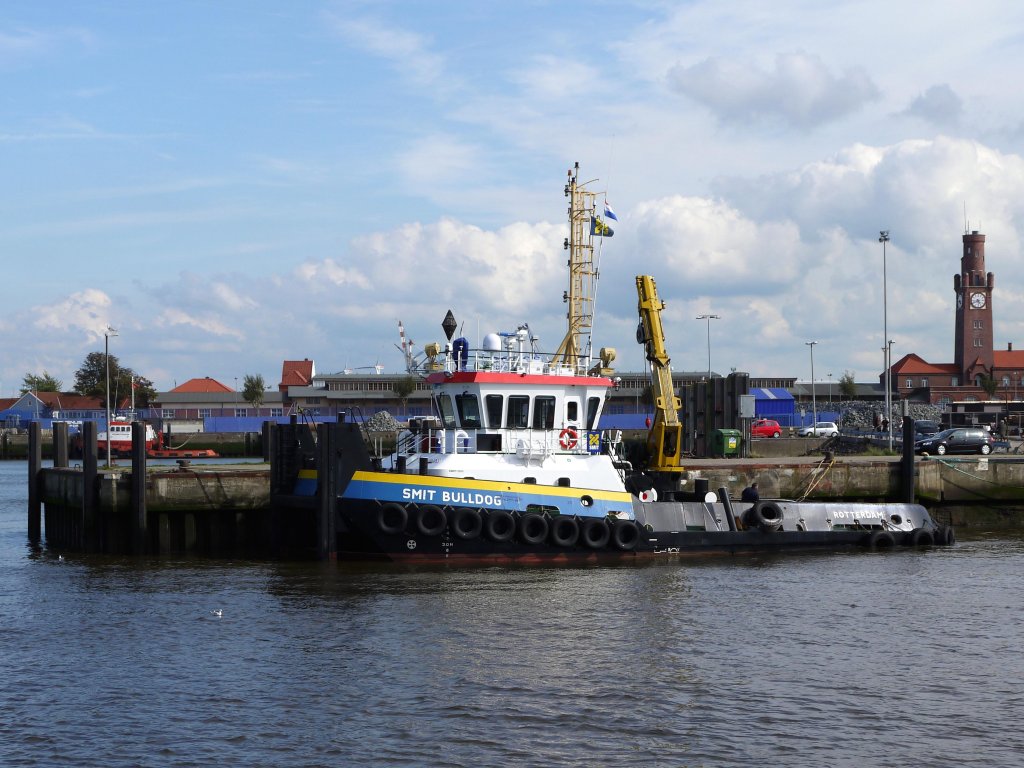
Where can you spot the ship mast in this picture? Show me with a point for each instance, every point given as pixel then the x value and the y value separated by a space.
pixel 575 349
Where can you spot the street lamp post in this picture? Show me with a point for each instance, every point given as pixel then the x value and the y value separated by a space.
pixel 888 386
pixel 707 404
pixel 814 402
pixel 830 391
pixel 106 360
pixel 883 238
pixel 709 318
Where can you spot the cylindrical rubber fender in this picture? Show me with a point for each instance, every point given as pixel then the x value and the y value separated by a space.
pixel 565 531
pixel 921 537
pixel 533 528
pixel 430 520
pixel 500 525
pixel 880 540
pixel 766 515
pixel 595 533
pixel 467 523
pixel 392 518
pixel 625 535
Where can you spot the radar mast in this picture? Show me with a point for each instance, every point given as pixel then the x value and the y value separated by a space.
pixel 574 350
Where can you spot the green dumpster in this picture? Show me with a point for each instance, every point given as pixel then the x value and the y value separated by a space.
pixel 726 442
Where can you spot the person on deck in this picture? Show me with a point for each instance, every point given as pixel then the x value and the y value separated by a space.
pixel 750 494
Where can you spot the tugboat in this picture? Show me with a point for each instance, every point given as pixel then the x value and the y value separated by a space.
pixel 513 466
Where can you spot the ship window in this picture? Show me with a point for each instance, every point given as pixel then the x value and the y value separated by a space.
pixel 493 404
pixel 593 408
pixel 444 407
pixel 544 412
pixel 572 411
pixel 518 412
pixel 469 410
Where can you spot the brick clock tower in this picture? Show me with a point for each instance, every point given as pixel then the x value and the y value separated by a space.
pixel 973 288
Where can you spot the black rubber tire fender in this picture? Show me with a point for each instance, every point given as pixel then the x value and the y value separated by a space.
pixel 766 515
pixel 921 537
pixel 625 535
pixel 467 523
pixel 565 531
pixel 431 520
pixel 500 525
pixel 595 533
pixel 947 536
pixel 880 540
pixel 392 518
pixel 533 528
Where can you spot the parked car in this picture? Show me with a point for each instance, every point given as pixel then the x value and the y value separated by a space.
pixel 765 428
pixel 923 427
pixel 957 440
pixel 820 429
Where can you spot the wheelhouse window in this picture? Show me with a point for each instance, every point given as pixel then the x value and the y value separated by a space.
pixel 593 408
pixel 544 412
pixel 469 410
pixel 493 405
pixel 572 411
pixel 518 416
pixel 444 408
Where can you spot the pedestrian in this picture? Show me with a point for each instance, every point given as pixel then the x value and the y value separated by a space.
pixel 750 494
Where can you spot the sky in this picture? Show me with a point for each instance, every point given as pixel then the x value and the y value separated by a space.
pixel 236 183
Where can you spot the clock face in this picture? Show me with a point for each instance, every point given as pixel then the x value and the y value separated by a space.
pixel 959 300
pixel 978 300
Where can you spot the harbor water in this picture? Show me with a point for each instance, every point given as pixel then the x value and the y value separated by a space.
pixel 905 658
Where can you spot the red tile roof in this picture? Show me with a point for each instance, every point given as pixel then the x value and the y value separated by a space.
pixel 1008 358
pixel 202 385
pixel 69 401
pixel 296 373
pixel 914 364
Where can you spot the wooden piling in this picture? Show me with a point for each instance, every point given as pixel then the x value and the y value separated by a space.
pixel 60 444
pixel 35 463
pixel 91 534
pixel 326 526
pixel 137 507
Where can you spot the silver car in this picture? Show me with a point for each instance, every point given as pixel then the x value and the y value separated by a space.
pixel 820 429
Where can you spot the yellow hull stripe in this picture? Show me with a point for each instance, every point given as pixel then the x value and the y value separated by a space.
pixel 490 485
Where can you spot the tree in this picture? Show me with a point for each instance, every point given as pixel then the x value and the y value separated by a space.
pixel 988 383
pixel 91 379
pixel 847 386
pixel 403 388
pixel 253 387
pixel 40 383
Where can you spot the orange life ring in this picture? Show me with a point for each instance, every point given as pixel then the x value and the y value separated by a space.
pixel 568 439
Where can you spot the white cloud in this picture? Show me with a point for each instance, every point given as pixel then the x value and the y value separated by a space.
pixel 799 91
pixel 407 51
pixel 87 311
pixel 939 104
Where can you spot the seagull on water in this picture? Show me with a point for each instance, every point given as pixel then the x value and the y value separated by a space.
pixel 60 558
pixel 218 612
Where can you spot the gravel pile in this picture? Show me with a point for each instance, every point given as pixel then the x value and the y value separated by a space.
pixel 382 421
pixel 861 415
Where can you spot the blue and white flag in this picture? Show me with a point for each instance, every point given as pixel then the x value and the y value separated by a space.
pixel 608 212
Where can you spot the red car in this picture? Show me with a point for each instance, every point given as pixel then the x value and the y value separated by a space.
pixel 765 428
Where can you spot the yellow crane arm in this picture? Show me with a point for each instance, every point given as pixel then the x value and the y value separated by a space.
pixel 664 439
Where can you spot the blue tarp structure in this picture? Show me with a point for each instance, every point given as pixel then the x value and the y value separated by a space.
pixel 774 403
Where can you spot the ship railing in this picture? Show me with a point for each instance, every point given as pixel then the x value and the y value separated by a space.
pixel 515 361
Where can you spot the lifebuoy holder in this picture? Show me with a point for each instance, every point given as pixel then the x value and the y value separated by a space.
pixel 568 439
